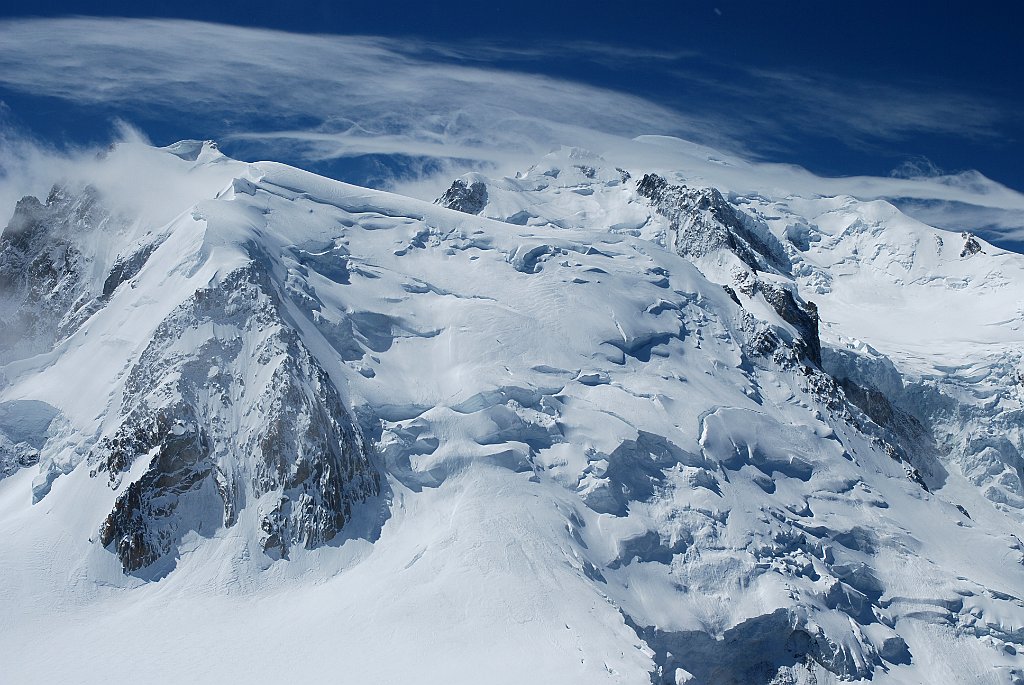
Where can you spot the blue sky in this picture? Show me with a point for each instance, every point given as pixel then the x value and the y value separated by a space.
pixel 393 89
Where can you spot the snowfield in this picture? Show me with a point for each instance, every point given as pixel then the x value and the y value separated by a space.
pixel 656 416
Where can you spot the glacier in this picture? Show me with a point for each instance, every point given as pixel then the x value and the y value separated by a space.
pixel 649 416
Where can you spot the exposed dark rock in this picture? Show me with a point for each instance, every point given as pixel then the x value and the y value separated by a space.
pixel 303 462
pixel 763 342
pixel 463 197
pixel 872 389
pixel 803 316
pixel 142 526
pixel 702 221
pixel 971 245
pixel 895 650
pixel 652 186
pixel 588 171
pixel 16 457
pixel 128 267
pixel 46 291
pixel 732 294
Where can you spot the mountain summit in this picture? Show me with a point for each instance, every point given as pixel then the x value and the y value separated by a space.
pixel 592 423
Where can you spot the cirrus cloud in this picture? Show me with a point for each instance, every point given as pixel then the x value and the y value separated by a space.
pixel 336 96
pixel 444 109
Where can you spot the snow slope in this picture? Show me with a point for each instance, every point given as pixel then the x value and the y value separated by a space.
pixel 306 430
pixel 931 319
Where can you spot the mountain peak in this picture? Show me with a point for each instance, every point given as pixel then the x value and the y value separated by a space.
pixel 598 401
pixel 201 151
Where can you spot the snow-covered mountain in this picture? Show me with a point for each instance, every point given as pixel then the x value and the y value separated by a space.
pixel 604 421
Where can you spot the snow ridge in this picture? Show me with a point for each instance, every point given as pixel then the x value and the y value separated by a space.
pixel 573 412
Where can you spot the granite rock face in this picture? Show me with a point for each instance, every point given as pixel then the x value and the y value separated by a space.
pixel 225 417
pixel 469 198
pixel 240 426
pixel 971 245
pixel 43 274
pixel 803 316
pixel 701 221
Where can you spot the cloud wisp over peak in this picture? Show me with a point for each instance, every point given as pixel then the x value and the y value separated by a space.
pixel 435 110
pixel 335 96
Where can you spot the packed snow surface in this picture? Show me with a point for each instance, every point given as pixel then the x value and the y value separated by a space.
pixel 645 417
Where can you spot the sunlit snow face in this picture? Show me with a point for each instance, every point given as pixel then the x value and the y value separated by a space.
pixel 574 435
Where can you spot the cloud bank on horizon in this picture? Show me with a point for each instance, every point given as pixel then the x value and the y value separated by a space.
pixel 444 110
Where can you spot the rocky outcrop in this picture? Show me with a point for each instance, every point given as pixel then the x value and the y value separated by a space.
pixel 127 267
pixel 470 198
pixel 977 426
pixel 42 271
pixel 241 420
pixel 49 263
pixel 803 316
pixel 971 245
pixel 701 221
pixel 142 526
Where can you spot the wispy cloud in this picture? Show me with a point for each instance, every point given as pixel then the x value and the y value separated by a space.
pixel 335 95
pixel 874 112
pixel 341 96
pixel 445 109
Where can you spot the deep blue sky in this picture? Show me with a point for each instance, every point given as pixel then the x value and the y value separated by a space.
pixel 935 51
